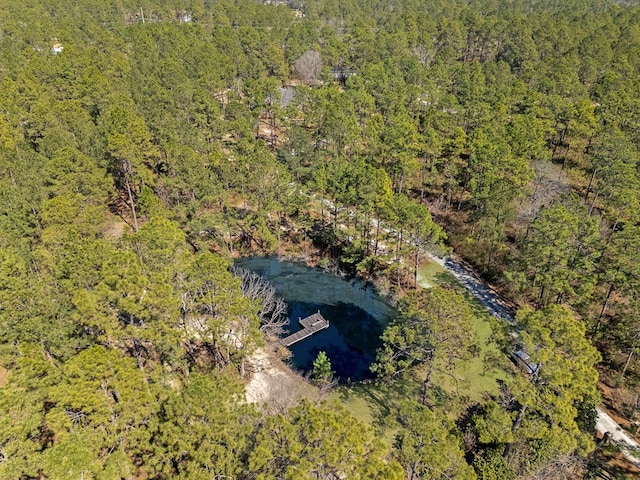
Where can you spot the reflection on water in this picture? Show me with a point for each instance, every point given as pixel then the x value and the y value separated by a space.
pixel 356 313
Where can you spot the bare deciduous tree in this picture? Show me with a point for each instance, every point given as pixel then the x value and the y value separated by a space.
pixel 273 313
pixel 308 66
pixel 566 467
pixel 325 387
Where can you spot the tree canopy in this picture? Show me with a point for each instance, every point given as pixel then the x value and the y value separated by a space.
pixel 144 145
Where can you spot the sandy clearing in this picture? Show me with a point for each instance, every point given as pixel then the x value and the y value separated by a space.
pixel 273 383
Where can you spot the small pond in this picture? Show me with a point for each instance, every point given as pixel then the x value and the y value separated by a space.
pixel 357 315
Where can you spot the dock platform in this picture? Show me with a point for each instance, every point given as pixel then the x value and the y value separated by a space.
pixel 311 324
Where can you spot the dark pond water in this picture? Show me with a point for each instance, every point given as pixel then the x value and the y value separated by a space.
pixel 357 315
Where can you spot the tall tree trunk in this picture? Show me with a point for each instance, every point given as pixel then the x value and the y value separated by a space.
pixel 375 248
pixel 133 207
pixel 416 263
pixel 613 230
pixel 604 308
pixel 426 385
pixel 398 244
pixel 593 203
pixel 515 427
pixel 626 362
pixel 366 233
pixel 518 421
pixel 228 221
pixel 634 345
pixel 588 147
pixel 273 128
pixel 560 142
pixel 593 177
pixel 423 178
pixel 564 161
pixel 540 297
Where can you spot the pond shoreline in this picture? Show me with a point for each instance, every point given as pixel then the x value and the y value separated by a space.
pixel 357 313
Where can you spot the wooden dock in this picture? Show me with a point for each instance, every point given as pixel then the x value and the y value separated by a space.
pixel 311 324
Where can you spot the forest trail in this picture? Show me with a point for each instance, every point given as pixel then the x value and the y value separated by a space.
pixel 486 295
pixel 499 309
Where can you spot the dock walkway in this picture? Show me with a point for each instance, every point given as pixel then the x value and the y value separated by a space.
pixel 311 324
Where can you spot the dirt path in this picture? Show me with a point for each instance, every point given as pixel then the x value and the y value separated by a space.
pixel 629 447
pixel 490 300
pixel 478 288
pixel 499 309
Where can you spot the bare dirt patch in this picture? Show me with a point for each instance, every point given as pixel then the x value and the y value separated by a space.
pixel 621 405
pixel 115 229
pixel 4 376
pixel 610 462
pixel 273 384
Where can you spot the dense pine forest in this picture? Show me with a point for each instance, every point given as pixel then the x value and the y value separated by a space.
pixel 146 145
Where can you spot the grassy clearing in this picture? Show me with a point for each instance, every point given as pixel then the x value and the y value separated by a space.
pixel 429 273
pixel 377 403
pixel 469 382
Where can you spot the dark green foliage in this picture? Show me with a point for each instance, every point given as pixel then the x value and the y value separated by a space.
pixel 217 434
pixel 493 466
pixel 322 368
pixel 137 137
pixel 325 441
pixel 426 446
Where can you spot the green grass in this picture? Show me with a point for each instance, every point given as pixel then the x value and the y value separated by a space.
pixel 470 381
pixel 376 403
pixel 429 272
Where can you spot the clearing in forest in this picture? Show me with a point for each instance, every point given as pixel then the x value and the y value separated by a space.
pixel 469 382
